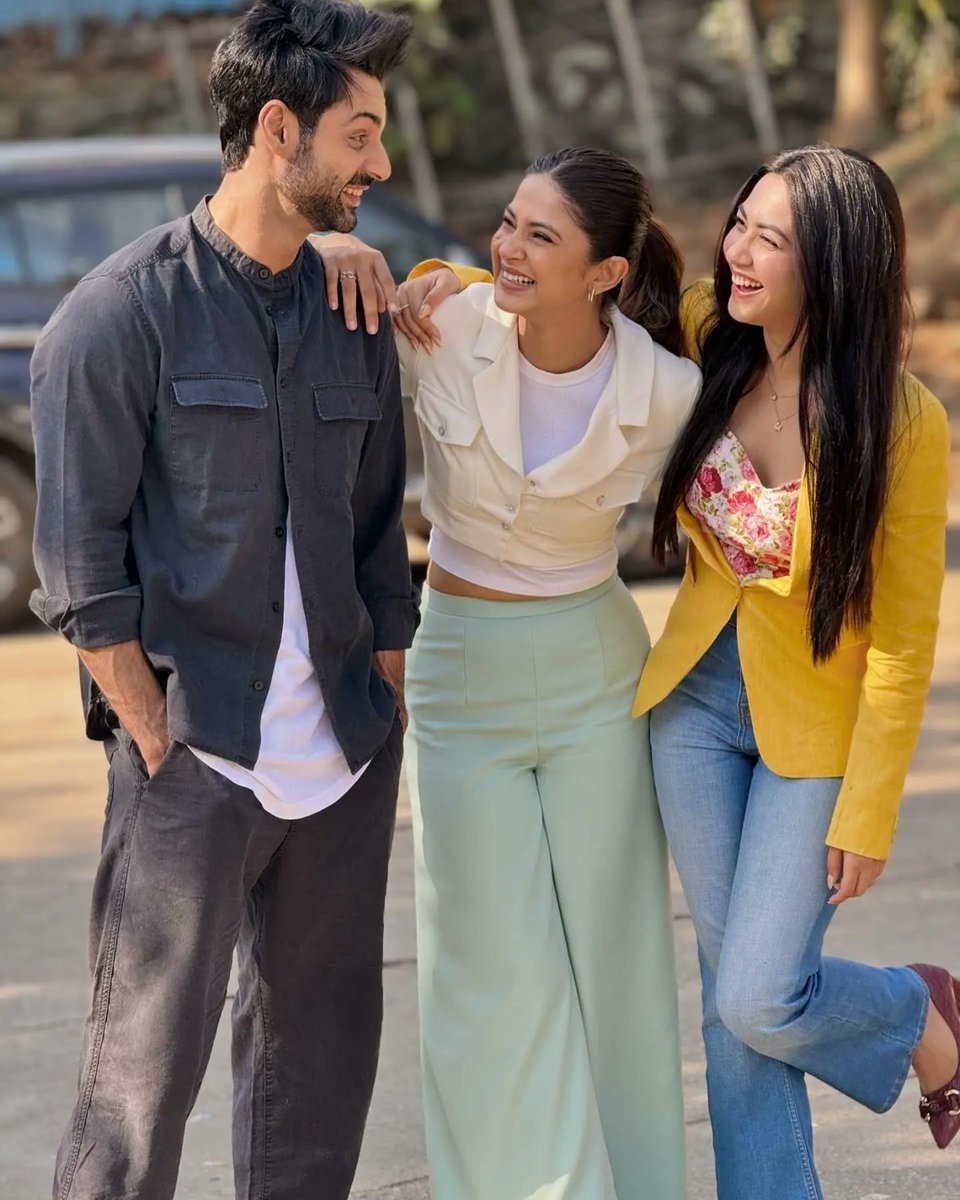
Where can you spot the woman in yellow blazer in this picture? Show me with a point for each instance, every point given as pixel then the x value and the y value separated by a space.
pixel 787 691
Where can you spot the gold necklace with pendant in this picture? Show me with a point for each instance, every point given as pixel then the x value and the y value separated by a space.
pixel 775 397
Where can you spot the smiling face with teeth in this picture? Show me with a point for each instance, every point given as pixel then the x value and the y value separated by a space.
pixel 760 252
pixel 541 256
pixel 331 169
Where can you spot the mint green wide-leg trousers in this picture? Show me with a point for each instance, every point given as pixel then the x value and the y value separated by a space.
pixel 546 976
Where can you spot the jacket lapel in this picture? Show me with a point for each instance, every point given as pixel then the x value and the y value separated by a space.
pixel 497 386
pixel 625 402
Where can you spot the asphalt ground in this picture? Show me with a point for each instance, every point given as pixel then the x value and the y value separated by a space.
pixel 51 802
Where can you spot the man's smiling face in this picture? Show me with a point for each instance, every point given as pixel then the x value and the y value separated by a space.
pixel 331 170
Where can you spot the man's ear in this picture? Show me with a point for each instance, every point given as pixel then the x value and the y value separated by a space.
pixel 279 129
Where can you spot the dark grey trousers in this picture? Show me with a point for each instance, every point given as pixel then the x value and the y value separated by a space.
pixel 192 867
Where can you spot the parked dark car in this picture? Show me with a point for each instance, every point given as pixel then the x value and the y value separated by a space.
pixel 65 206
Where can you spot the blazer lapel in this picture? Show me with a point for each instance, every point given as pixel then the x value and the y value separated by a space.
pixel 625 402
pixel 798 577
pixel 497 386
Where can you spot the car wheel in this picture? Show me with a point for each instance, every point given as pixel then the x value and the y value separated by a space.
pixel 18 503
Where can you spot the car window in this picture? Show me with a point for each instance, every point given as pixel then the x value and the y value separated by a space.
pixel 403 243
pixel 66 235
pixel 9 259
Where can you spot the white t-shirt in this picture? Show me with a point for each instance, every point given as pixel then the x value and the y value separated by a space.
pixel 555 410
pixel 300 768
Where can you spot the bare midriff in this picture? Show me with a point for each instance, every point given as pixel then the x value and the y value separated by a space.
pixel 452 585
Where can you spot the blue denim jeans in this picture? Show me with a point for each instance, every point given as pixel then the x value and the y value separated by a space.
pixel 749 848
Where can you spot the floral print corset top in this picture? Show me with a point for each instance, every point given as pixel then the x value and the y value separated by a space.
pixel 753 524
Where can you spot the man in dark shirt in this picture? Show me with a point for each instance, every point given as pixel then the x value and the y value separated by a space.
pixel 220 470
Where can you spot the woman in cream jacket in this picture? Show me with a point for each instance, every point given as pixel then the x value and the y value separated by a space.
pixel 547 999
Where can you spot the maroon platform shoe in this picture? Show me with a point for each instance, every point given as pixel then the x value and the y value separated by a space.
pixel 941 1109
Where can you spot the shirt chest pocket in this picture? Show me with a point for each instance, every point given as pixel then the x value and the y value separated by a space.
pixel 592 514
pixel 217 429
pixel 344 412
pixel 449 434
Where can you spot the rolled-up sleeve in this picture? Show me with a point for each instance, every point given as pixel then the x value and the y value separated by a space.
pixel 380 543
pixel 93 389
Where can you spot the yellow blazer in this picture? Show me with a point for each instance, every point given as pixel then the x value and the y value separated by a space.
pixel 858 715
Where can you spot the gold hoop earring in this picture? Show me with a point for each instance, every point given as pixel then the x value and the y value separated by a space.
pixel 592 294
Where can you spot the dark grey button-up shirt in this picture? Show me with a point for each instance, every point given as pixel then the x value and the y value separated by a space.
pixel 183 397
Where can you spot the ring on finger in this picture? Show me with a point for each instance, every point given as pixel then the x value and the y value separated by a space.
pixel 348 274
pixel 402 307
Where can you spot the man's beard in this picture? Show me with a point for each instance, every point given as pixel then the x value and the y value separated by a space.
pixel 317 195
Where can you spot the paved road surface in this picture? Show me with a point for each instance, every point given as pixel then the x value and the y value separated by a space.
pixel 51 798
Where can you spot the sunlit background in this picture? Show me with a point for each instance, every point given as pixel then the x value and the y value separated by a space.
pixel 106 130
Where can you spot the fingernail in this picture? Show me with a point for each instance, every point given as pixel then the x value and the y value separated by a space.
pixel 831 882
pixel 371 328
pixel 351 324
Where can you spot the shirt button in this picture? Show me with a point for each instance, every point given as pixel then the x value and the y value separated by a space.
pixel 269 309
pixel 258 685
pixel 283 382
pixel 511 508
pixel 264 273
pixel 279 531
pixel 504 526
pixel 441 431
pixel 601 501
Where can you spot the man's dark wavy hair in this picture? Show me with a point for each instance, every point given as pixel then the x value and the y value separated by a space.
pixel 301 52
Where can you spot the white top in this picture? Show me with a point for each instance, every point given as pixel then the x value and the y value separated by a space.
pixel 555 412
pixel 300 768
pixel 477 489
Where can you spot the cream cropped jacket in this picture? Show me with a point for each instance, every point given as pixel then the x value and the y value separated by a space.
pixel 466 396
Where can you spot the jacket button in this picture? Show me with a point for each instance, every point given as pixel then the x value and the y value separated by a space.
pixel 601 501
pixel 264 273
pixel 258 685
pixel 279 531
pixel 275 606
pixel 441 431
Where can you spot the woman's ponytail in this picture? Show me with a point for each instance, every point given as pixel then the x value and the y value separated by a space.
pixel 650 294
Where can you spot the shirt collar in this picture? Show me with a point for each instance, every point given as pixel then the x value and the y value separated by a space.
pixel 255 271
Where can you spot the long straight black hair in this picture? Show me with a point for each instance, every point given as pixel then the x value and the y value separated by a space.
pixel 609 200
pixel 853 326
